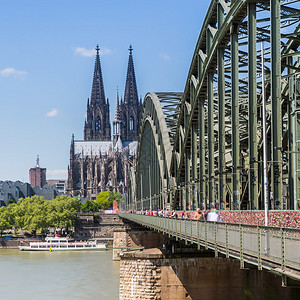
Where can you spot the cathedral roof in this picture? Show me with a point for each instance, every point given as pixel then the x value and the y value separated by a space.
pixel 131 147
pixel 94 147
pixel 131 94
pixel 98 95
pixel 86 148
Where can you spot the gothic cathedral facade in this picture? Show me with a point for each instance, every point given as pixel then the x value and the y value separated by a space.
pixel 99 162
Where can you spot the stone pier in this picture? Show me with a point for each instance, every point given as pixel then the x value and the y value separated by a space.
pixel 136 237
pixel 150 274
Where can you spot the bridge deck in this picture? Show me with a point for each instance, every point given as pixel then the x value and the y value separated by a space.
pixel 274 249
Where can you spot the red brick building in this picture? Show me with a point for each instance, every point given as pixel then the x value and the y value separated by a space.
pixel 37 175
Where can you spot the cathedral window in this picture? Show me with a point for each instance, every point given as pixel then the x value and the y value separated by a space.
pixel 131 127
pixel 98 124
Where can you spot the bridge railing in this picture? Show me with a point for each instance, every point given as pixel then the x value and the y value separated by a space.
pixel 266 247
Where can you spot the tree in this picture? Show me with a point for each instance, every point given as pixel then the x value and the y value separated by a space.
pixel 5 219
pixel 10 201
pixel 106 199
pixel 62 211
pixel 90 206
pixel 33 213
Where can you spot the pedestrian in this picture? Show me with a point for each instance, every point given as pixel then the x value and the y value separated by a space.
pixel 174 215
pixel 213 215
pixel 167 213
pixel 183 216
pixel 198 214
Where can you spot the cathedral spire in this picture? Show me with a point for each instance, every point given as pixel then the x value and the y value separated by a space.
pixel 131 94
pixel 98 95
pixel 97 125
pixel 117 111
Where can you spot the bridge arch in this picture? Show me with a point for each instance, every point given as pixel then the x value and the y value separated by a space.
pixel 152 172
pixel 213 154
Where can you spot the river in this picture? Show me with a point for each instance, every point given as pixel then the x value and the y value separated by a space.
pixel 58 275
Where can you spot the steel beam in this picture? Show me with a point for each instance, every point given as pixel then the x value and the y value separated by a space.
pixel 252 108
pixel 194 164
pixel 235 117
pixel 221 114
pixel 276 105
pixel 210 139
pixel 202 178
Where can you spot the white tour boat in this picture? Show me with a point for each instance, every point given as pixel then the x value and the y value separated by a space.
pixel 61 244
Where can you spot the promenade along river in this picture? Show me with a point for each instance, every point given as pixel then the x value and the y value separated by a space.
pixel 58 275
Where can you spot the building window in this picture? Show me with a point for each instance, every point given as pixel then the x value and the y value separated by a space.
pixel 98 125
pixel 131 127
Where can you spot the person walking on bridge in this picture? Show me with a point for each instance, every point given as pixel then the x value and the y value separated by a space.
pixel 213 215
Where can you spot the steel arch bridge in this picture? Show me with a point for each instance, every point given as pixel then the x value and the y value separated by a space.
pixel 205 145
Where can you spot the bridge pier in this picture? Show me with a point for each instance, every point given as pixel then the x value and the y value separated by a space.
pixel 136 237
pixel 150 274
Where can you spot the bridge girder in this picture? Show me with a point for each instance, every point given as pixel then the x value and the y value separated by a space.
pixel 213 151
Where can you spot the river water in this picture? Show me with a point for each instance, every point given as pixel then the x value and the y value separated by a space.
pixel 58 275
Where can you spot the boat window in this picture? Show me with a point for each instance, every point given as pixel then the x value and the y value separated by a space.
pixel 88 246
pixel 71 246
pixel 63 241
pixel 34 246
pixel 79 246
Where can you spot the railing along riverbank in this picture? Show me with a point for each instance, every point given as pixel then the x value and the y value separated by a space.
pixel 271 248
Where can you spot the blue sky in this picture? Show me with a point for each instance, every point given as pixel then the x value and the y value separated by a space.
pixel 46 67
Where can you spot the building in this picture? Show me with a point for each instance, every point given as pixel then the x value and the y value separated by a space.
pixel 12 191
pixel 99 163
pixel 60 184
pixel 37 175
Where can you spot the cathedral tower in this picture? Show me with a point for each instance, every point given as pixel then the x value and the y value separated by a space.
pixel 97 124
pixel 130 108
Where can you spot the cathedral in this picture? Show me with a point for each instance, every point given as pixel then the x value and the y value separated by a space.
pixel 101 162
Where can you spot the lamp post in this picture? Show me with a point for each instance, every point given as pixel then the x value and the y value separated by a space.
pixel 150 189
pixel 142 192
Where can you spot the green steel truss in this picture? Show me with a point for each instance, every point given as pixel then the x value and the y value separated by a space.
pixel 205 146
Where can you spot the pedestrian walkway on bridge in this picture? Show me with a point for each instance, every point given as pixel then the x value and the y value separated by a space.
pixel 274 249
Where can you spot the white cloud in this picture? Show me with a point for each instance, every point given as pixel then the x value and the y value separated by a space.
pixel 164 56
pixel 12 72
pixel 57 174
pixel 52 113
pixel 90 52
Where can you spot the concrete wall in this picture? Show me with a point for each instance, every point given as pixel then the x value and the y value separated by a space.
pixel 151 275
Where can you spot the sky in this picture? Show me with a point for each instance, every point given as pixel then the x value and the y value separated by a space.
pixel 47 60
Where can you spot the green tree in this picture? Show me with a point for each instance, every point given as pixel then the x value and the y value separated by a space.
pixel 33 213
pixel 106 199
pixel 90 206
pixel 10 201
pixel 5 219
pixel 62 211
